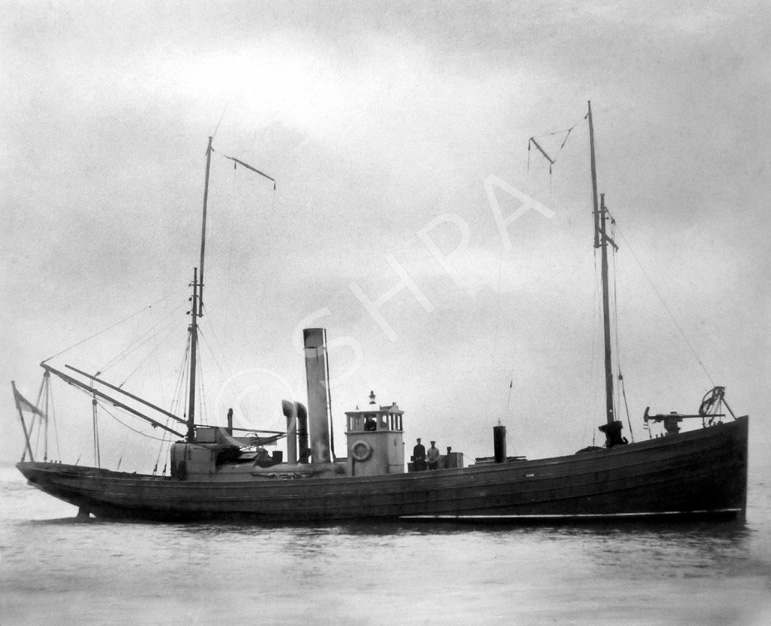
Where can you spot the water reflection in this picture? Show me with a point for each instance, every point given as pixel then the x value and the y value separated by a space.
pixel 588 573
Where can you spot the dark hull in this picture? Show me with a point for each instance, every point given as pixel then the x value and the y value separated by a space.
pixel 702 472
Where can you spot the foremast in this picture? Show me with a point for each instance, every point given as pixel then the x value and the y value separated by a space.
pixel 196 310
pixel 612 427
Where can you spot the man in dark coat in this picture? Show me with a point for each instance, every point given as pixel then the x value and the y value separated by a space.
pixel 419 457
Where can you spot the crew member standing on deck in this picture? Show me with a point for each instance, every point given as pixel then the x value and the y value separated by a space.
pixel 419 457
pixel 433 456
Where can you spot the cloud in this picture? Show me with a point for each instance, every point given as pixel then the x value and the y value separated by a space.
pixel 375 119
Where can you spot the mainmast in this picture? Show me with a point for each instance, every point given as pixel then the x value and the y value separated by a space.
pixel 203 225
pixel 196 310
pixel 195 314
pixel 612 428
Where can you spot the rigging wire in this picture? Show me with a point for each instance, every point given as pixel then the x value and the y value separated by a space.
pixel 42 417
pixel 211 351
pixel 177 401
pixel 219 365
pixel 37 435
pixel 664 304
pixel 271 225
pixel 186 373
pixel 123 449
pixel 227 104
pixel 157 362
pixel 596 307
pixel 621 390
pixel 48 417
pixel 178 397
pixel 160 448
pixel 104 330
pixel 50 394
pixel 138 432
pixel 100 403
pixel 204 414
pixel 140 341
pixel 85 443
pixel 226 370
pixel 97 453
pixel 626 406
pixel 172 329
pixel 232 230
pixel 552 161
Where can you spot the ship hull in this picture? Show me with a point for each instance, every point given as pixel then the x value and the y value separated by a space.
pixel 698 473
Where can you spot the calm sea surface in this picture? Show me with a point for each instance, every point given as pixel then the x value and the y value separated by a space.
pixel 55 570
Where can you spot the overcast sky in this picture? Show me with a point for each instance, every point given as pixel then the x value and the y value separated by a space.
pixel 381 123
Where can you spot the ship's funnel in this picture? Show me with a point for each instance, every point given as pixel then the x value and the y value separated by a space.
pixel 317 373
pixel 499 443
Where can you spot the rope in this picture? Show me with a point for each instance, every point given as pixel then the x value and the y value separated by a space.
pixel 595 309
pixel 211 350
pixel 104 330
pixel 138 432
pixel 528 157
pixel 141 340
pixel 204 414
pixel 271 224
pixel 50 394
pixel 661 299
pixel 172 328
pixel 123 449
pixel 157 360
pixel 626 406
pixel 226 370
pixel 160 451
pixel 232 231
pixel 186 373
pixel 615 310
pixel 97 455
pixel 552 161
pixel 621 391
pixel 214 134
pixel 37 435
pixel 85 443
pixel 179 392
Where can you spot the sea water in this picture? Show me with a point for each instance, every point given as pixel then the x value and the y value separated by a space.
pixel 55 569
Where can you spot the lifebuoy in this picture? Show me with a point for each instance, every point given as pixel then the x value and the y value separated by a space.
pixel 361 451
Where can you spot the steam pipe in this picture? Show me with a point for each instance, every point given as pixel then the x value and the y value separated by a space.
pixel 290 411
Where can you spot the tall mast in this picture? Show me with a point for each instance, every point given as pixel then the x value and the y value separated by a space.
pixel 203 225
pixel 610 413
pixel 193 357
pixel 196 309
pixel 612 428
pixel 594 181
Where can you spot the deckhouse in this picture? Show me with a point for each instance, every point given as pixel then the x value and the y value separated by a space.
pixel 375 440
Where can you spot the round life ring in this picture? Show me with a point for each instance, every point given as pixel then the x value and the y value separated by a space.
pixel 361 451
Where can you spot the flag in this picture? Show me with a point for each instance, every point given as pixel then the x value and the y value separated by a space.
pixel 25 405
